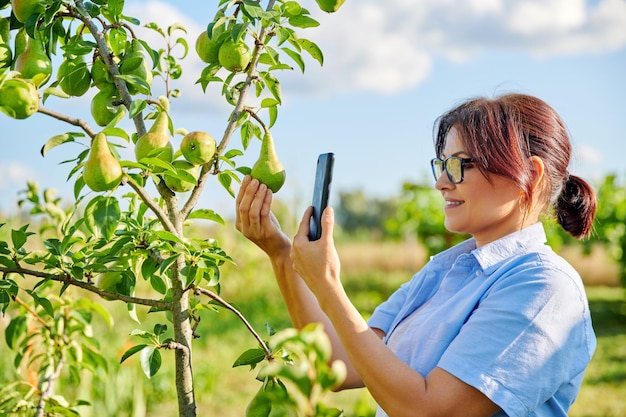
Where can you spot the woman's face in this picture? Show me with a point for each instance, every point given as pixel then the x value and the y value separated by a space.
pixel 486 210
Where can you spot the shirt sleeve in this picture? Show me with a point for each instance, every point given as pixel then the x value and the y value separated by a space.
pixel 385 314
pixel 529 336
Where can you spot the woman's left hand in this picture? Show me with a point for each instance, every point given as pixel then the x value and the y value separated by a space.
pixel 317 262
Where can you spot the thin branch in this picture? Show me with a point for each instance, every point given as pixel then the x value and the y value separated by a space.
pixel 224 303
pixel 173 346
pixel 47 393
pixel 31 311
pixel 65 279
pixel 158 211
pixel 68 119
pixel 232 123
pixel 105 53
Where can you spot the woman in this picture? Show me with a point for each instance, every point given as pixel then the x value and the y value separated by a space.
pixel 497 325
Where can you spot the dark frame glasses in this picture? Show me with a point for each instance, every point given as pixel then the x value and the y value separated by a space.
pixel 454 166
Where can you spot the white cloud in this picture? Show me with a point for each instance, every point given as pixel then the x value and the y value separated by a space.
pixel 388 46
pixel 12 173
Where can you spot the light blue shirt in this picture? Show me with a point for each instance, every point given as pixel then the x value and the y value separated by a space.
pixel 510 318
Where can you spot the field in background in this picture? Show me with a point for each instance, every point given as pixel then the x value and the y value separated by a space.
pixel 371 271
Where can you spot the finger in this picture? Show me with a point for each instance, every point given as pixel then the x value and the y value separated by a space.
pixel 244 207
pixel 328 223
pixel 242 189
pixel 303 228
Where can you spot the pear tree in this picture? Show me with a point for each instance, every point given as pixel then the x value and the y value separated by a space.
pixel 125 237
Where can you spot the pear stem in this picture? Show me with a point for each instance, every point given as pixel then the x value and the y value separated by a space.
pixel 232 122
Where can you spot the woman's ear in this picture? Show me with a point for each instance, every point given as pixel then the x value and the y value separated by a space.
pixel 537 169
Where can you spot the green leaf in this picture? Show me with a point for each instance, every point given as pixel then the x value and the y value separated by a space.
pixel 150 361
pixel 130 352
pixel 57 140
pixel 296 57
pixel 43 302
pixel 19 237
pixel 250 357
pixel 159 329
pixel 102 215
pixel 303 22
pixel 136 107
pixel 206 214
pixel 16 328
pixel 165 235
pixel 158 284
pixel 312 49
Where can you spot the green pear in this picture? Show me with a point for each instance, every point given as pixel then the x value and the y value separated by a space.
pixel 268 169
pixel 234 56
pixel 102 171
pixel 18 98
pixel 135 63
pixel 100 75
pixel 6 55
pixel 178 184
pixel 330 6
pixel 74 77
pixel 23 9
pixel 158 137
pixel 207 47
pixel 34 63
pixel 103 109
pixel 198 147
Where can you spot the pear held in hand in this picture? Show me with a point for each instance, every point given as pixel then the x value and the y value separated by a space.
pixel 156 138
pixel 198 147
pixel 102 170
pixel 268 169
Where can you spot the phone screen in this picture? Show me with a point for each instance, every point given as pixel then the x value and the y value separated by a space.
pixel 321 191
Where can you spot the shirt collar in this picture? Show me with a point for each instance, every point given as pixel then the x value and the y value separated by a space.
pixel 498 250
pixel 510 245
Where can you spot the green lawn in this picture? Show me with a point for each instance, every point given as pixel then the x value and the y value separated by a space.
pixel 225 391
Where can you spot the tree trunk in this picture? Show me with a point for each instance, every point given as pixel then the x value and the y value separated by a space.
pixel 183 336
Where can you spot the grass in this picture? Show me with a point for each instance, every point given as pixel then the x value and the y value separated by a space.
pixel 225 391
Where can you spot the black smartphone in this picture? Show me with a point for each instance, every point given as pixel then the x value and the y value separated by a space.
pixel 321 191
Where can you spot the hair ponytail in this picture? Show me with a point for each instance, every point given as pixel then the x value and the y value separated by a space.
pixel 575 208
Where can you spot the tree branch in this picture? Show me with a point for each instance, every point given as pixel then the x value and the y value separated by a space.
pixel 232 122
pixel 65 279
pixel 105 54
pixel 162 216
pixel 68 119
pixel 224 303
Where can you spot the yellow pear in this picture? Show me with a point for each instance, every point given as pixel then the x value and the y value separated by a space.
pixel 102 171
pixel 34 63
pixel 158 137
pixel 268 169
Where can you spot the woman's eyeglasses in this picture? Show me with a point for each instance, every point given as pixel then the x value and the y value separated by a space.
pixel 453 165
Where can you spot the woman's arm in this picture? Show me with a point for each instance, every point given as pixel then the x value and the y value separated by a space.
pixel 256 222
pixel 397 388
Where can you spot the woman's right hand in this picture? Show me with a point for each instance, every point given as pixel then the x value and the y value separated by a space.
pixel 255 220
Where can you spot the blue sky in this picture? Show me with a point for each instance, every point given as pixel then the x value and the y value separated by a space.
pixel 390 69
